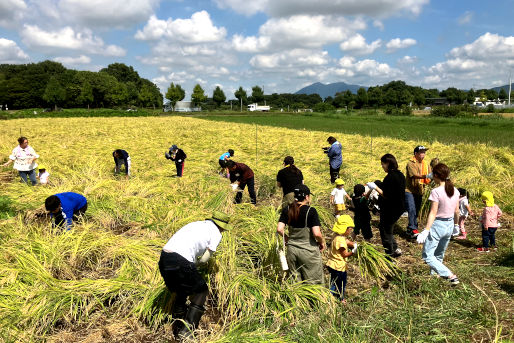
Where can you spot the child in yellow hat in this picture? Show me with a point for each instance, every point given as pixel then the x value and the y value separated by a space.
pixel 338 255
pixel 489 222
pixel 338 197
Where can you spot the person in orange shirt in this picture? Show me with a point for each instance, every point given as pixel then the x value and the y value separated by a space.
pixel 417 176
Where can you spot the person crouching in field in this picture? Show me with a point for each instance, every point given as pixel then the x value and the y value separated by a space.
pixel 241 176
pixel 178 156
pixel 489 222
pixel 340 250
pixel 224 158
pixel 43 175
pixel 287 178
pixel 443 217
pixel 190 246
pixel 121 157
pixel 338 197
pixel 66 207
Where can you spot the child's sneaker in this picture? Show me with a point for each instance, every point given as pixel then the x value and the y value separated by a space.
pixel 483 249
pixel 454 281
pixel 494 248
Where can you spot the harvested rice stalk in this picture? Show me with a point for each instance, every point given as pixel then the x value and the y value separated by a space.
pixel 374 264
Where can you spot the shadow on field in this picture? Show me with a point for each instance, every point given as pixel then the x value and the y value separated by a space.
pixel 508 287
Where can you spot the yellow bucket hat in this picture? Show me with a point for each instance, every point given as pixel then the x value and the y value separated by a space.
pixel 489 198
pixel 342 224
pixel 339 182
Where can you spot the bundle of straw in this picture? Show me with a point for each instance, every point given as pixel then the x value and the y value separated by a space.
pixel 374 264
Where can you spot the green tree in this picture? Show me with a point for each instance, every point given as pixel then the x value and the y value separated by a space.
pixel 86 94
pixel 218 96
pixel 362 98
pixel 470 96
pixel 175 93
pixel 241 95
pixel 198 95
pixel 483 96
pixel 54 92
pixel 502 94
pixel 257 94
pixel 375 96
pixel 491 94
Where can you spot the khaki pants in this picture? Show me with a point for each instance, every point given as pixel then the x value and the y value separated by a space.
pixel 287 200
pixel 305 265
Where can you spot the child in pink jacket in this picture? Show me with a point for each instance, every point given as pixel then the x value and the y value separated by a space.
pixel 489 222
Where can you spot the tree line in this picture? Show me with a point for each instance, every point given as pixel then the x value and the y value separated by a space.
pixel 50 84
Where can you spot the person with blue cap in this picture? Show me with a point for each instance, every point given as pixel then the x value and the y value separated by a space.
pixel 178 156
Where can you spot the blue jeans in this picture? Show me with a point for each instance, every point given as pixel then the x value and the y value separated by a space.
pixel 31 174
pixel 413 205
pixel 337 283
pixel 436 244
pixel 488 236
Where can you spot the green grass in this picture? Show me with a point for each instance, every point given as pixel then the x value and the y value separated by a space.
pixel 497 132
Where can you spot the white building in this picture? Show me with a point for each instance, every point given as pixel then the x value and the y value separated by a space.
pixel 182 106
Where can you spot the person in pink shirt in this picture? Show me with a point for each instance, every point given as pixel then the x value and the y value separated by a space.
pixel 442 219
pixel 489 222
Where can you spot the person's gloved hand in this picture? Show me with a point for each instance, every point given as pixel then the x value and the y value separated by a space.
pixel 234 186
pixel 456 230
pixel 179 161
pixel 430 176
pixel 422 236
pixel 354 250
pixel 371 185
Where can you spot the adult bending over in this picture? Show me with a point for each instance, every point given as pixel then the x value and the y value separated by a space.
pixel 24 158
pixel 304 240
pixel 65 208
pixel 443 216
pixel 288 178
pixel 193 244
pixel 391 202
pixel 241 176
pixel 335 157
pixel 121 157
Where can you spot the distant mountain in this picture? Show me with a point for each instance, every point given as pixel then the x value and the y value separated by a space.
pixel 506 87
pixel 329 90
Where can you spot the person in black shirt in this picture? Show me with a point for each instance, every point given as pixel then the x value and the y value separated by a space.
pixel 178 156
pixel 288 178
pixel 304 240
pixel 362 218
pixel 121 157
pixel 391 201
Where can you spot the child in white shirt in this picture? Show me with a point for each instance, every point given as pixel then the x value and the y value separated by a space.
pixel 43 175
pixel 338 196
pixel 465 211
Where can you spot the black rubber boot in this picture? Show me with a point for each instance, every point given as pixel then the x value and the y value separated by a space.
pixel 178 313
pixel 193 316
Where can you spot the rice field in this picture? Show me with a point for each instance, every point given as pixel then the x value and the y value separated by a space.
pixel 100 282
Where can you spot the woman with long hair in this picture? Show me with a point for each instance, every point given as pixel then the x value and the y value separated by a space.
pixel 391 202
pixel 443 216
pixel 304 239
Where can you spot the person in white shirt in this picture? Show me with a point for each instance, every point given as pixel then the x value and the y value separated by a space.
pixel 338 197
pixel 24 158
pixel 43 175
pixel 191 245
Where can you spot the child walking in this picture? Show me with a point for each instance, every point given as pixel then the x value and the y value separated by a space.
pixel 362 216
pixel 489 221
pixel 338 255
pixel 464 211
pixel 338 196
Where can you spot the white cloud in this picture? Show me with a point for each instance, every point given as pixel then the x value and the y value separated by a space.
pixel 408 60
pixel 67 39
pixel 486 59
pixel 397 43
pixel 11 11
pixel 356 45
pixel 290 59
pixel 365 69
pixel 378 24
pixel 72 61
pixel 11 53
pixel 198 29
pixel 112 13
pixel 285 8
pixel 250 44
pixel 465 18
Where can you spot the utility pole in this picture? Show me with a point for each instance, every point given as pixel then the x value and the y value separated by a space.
pixel 510 86
pixel 241 103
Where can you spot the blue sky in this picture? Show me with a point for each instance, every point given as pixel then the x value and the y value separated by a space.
pixel 282 45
